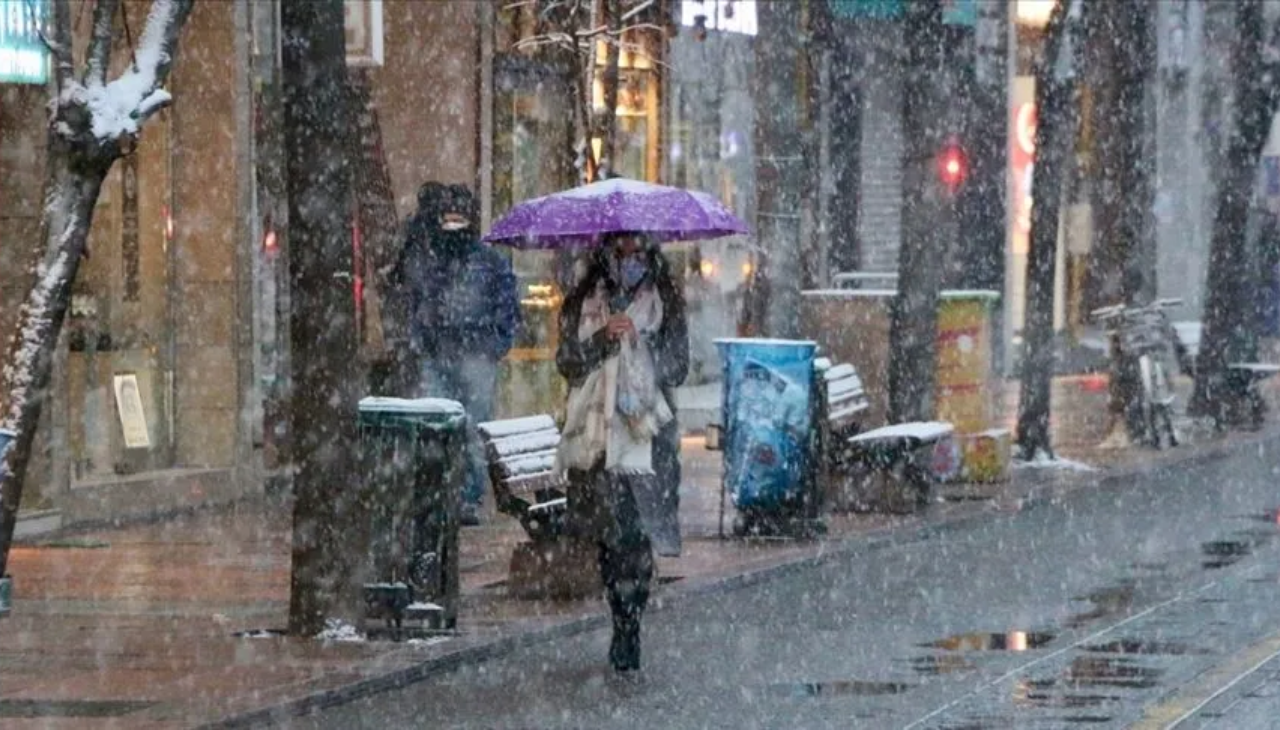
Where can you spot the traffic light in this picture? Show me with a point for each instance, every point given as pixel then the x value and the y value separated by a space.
pixel 953 166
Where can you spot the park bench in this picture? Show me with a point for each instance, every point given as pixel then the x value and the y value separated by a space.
pixel 894 461
pixel 521 455
pixel 1243 378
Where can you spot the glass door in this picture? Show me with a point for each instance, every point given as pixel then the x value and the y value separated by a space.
pixel 119 326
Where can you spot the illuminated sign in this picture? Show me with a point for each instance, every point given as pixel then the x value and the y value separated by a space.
pixel 23 57
pixel 362 24
pixel 1022 157
pixel 729 16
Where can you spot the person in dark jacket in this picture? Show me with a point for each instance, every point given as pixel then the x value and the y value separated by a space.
pixel 624 347
pixel 461 301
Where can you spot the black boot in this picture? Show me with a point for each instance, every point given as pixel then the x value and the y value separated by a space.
pixel 627 608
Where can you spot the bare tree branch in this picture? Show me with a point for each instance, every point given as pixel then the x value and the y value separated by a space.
pixel 164 25
pixel 63 64
pixel 633 12
pixel 99 56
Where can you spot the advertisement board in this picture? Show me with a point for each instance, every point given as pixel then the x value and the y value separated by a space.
pixel 767 389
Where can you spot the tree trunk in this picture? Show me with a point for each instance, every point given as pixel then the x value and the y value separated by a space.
pixel 609 79
pixel 982 204
pixel 1226 319
pixel 1054 135
pixel 71 196
pixel 1121 269
pixel 774 295
pixel 322 323
pixel 913 332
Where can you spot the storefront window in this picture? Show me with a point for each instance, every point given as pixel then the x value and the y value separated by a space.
pixel 119 374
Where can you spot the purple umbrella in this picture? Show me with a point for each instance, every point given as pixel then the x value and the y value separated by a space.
pixel 580 217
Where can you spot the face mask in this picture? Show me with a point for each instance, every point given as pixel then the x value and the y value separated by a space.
pixel 632 269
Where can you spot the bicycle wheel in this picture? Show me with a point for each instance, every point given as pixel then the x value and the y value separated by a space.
pixel 1150 435
pixel 1160 400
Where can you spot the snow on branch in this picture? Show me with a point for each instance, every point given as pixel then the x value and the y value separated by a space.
pixel 99 56
pixel 20 372
pixel 119 108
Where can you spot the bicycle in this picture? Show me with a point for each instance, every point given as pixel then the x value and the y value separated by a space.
pixel 1144 336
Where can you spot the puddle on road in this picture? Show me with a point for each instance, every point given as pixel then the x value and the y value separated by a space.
pixel 1108 601
pixel 1143 646
pixel 1224 553
pixel 1010 641
pixel 1271 516
pixel 840 688
pixel 937 664
pixel 1111 672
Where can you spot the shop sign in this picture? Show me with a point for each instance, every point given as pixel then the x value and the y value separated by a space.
pixel 133 418
pixel 954 12
pixel 960 12
pixel 872 9
pixel 362 21
pixel 1022 155
pixel 23 56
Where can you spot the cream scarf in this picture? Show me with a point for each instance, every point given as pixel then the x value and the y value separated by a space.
pixel 619 408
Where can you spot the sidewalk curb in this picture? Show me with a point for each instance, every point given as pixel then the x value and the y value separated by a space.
pixel 887 537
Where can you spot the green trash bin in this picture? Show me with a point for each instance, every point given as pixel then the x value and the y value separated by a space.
pixel 414 458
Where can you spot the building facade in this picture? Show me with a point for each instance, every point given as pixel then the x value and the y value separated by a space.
pixel 183 298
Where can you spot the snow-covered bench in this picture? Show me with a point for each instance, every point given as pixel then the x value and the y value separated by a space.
pixel 521 454
pixel 898 459
pixel 552 563
pixel 841 407
pixel 1243 378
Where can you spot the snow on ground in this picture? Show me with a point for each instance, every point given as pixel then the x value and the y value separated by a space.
pixel 1044 461
pixel 339 630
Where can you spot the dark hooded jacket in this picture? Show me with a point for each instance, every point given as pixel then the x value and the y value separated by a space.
pixel 460 297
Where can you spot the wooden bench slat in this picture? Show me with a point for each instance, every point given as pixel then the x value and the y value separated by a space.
pixel 1256 367
pixel 845 385
pixel 525 464
pixel 525 443
pixel 531 483
pixel 516 426
pixel 848 412
pixel 843 370
pixel 551 505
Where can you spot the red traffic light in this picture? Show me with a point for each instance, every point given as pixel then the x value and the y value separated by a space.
pixel 953 166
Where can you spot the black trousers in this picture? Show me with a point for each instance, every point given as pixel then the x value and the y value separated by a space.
pixel 602 509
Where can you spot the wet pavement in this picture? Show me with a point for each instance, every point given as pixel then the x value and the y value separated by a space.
pixel 170 624
pixel 1085 612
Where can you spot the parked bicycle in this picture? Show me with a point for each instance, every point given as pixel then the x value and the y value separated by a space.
pixel 1142 340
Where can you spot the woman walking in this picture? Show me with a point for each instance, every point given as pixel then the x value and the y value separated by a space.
pixel 624 348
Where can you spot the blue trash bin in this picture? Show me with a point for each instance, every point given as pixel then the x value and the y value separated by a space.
pixel 766 415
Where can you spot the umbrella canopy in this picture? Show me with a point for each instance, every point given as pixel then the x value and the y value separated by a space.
pixel 582 216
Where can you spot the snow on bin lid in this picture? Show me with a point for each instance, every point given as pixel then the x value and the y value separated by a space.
pixel 763 341
pixel 416 406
